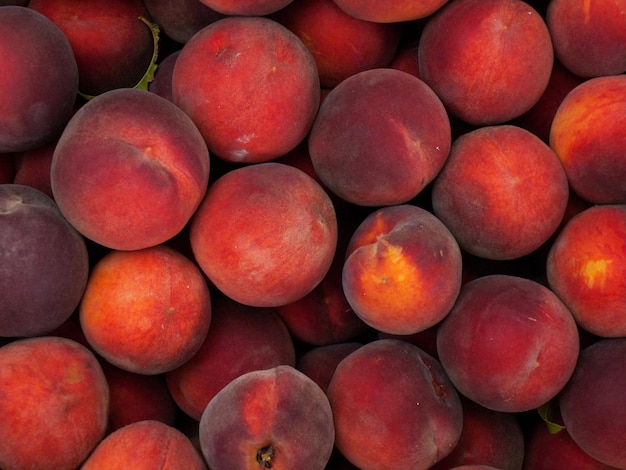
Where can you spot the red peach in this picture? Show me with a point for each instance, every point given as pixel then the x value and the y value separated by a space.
pixel 179 20
pixel 390 11
pixel 246 7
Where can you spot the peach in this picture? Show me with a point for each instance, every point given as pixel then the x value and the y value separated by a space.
pixel 179 20
pixel 275 418
pixel 145 445
pixel 403 270
pixel 320 362
pixel 393 407
pixel 488 60
pixel 265 234
pixel 32 47
pixel 588 134
pixel 241 339
pixel 586 268
pixel 406 57
pixel 390 11
pixel 162 83
pixel 146 311
pixel 509 343
pixel 250 85
pixel 502 193
pixel 489 437
pixel 589 37
pixel 341 44
pixel 129 170
pixel 112 46
pixel 371 161
pixel 246 7
pixel 54 404
pixel 593 404
pixel 32 168
pixel 45 263
pixel 137 397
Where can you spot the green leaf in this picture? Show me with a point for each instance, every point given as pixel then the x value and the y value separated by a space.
pixel 545 411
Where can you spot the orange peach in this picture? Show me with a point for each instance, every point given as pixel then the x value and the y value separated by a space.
pixel 586 268
pixel 403 268
pixel 341 44
pixel 588 133
pixel 502 193
pixel 265 234
pixel 250 85
pixel 145 445
pixel 146 311
pixel 129 169
pixel 589 37
pixel 488 60
pixel 54 404
pixel 275 418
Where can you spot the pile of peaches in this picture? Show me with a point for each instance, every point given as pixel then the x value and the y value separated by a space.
pixel 312 234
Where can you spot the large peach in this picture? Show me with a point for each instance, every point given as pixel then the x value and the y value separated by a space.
pixel 145 445
pixel 45 263
pixel 32 47
pixel 586 268
pixel 593 404
pixel 54 404
pixel 390 11
pixel 403 269
pixel 509 343
pixel 588 133
pixel 146 311
pixel 488 60
pixel 241 339
pixel 371 161
pixel 502 193
pixel 589 37
pixel 265 234
pixel 275 418
pixel 250 85
pixel 129 169
pixel 393 407
pixel 341 44
pixel 112 46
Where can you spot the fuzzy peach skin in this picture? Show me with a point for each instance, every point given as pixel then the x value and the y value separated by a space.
pixel 180 19
pixel 509 343
pixel 341 44
pixel 250 85
pixel 586 268
pixel 393 407
pixel 54 404
pixel 403 269
pixel 129 170
pixel 145 445
pixel 146 311
pixel 593 404
pixel 32 47
pixel 45 263
pixel 588 133
pixel 502 193
pixel 589 37
pixel 488 60
pixel 276 418
pixel 265 234
pixel 241 339
pixel 112 46
pixel 390 11
pixel 370 161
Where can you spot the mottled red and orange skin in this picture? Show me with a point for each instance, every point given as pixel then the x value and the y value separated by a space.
pixel 341 44
pixel 54 403
pixel 145 445
pixel 588 134
pixel 250 85
pixel 488 60
pixel 390 11
pixel 146 311
pixel 402 271
pixel 586 267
